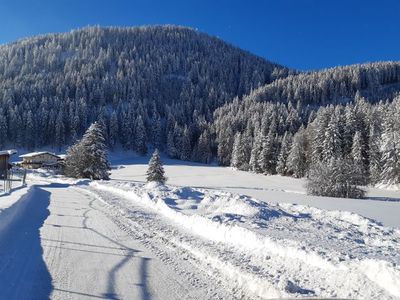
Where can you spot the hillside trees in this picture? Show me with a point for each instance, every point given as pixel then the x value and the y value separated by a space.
pixel 132 80
pixel 365 135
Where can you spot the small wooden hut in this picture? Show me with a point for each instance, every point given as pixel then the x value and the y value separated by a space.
pixel 5 162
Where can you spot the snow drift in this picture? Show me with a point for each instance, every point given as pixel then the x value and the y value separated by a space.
pixel 277 250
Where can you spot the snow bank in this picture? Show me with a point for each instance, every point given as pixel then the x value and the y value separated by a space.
pixel 306 238
pixel 383 273
pixel 12 204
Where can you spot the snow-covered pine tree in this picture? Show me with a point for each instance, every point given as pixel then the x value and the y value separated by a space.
pixel 88 157
pixel 297 163
pixel 3 128
pixel 113 130
pixel 156 172
pixel 202 151
pixel 267 158
pixel 171 148
pixel 186 149
pixel 333 140
pixel 140 145
pixel 375 155
pixel 391 148
pixel 74 161
pixel 237 152
pixel 255 153
pixel 349 129
pixel 357 155
pixel 282 167
pixel 335 178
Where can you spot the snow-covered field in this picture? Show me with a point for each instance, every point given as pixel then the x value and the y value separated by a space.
pixel 382 205
pixel 198 237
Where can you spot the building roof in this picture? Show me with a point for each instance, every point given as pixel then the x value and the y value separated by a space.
pixel 33 154
pixel 8 152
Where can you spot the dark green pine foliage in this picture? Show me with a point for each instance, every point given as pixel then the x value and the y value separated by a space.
pixel 155 172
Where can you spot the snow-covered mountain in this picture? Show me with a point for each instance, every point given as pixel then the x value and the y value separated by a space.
pixel 53 86
pixel 197 98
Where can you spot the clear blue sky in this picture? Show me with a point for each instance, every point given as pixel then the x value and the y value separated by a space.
pixel 303 34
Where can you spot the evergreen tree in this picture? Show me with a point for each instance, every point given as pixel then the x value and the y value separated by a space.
pixel 375 155
pixel 171 148
pixel 88 157
pixel 391 150
pixel 3 128
pixel 333 140
pixel 155 172
pixel 336 178
pixel 186 149
pixel 255 153
pixel 140 136
pixel 282 167
pixel 114 127
pixel 297 163
pixel 268 158
pixel 238 156
pixel 202 151
pixel 357 155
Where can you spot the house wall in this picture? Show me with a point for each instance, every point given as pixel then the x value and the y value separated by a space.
pixel 42 158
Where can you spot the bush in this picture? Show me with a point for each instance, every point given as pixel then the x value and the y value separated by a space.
pixel 338 178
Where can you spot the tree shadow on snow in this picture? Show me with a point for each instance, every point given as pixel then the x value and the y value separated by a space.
pixel 23 272
pixel 384 199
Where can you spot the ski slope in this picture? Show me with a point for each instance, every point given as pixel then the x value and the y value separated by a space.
pixel 195 238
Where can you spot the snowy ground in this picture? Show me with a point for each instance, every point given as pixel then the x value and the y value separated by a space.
pixel 382 205
pixel 193 239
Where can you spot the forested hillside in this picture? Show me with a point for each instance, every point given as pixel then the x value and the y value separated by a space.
pixel 279 138
pixel 143 83
pixel 199 98
pixel 374 81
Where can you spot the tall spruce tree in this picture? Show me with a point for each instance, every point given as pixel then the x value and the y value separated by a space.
pixel 282 166
pixel 88 157
pixel 297 163
pixel 155 172
pixel 391 150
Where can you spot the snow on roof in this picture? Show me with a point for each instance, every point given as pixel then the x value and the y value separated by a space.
pixel 8 152
pixel 33 154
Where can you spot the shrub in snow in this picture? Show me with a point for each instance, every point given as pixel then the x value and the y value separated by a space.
pixel 155 172
pixel 337 178
pixel 88 157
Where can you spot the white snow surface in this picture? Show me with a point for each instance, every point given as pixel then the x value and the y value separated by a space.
pixel 274 250
pixel 194 238
pixel 382 204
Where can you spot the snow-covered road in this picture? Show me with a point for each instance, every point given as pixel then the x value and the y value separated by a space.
pixel 66 244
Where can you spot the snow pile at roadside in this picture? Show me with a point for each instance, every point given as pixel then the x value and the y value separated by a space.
pixel 277 250
pixel 11 204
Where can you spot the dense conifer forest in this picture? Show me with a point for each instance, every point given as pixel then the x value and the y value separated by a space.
pixel 198 98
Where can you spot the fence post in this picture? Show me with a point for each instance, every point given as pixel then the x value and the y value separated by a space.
pixel 24 177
